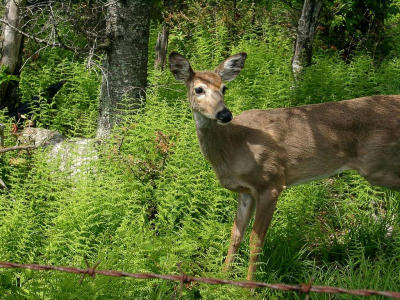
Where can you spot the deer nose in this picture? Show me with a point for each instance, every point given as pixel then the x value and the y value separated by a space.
pixel 224 115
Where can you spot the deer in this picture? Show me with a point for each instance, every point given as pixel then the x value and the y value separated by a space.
pixel 259 153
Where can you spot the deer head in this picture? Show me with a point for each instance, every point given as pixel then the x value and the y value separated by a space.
pixel 206 89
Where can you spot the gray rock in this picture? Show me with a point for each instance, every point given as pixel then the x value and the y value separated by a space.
pixel 72 155
pixel 39 137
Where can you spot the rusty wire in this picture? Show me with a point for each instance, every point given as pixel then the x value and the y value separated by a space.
pixel 304 288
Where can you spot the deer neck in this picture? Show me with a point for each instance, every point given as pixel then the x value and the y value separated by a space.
pixel 214 140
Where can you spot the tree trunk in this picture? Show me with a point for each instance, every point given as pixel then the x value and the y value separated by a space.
pixel 125 63
pixel 305 36
pixel 161 48
pixel 11 43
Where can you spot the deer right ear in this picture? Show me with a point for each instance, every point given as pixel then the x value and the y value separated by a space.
pixel 180 67
pixel 231 66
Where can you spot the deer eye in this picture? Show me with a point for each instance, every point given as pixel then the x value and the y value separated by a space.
pixel 199 90
pixel 224 89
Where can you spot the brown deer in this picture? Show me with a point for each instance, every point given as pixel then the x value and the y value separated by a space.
pixel 260 152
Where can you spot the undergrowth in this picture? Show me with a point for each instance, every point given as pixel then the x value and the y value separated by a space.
pixel 73 109
pixel 151 201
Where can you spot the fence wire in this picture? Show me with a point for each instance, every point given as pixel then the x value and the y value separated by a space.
pixel 304 288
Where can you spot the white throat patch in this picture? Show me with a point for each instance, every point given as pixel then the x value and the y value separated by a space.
pixel 201 121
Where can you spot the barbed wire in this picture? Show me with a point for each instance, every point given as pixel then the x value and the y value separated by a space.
pixel 304 288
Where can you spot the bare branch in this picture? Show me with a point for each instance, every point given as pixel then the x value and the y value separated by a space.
pixel 15 148
pixel 36 52
pixel 54 23
pixel 41 41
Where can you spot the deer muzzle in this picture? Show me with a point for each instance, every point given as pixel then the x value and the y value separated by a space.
pixel 224 116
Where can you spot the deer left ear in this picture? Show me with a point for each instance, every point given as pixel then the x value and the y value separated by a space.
pixel 231 66
pixel 180 67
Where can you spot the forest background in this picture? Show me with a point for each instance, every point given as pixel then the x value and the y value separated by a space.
pixel 144 199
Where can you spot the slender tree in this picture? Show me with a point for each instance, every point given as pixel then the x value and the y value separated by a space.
pixel 305 36
pixel 11 42
pixel 161 48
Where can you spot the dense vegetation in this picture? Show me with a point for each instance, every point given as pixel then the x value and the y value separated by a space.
pixel 150 200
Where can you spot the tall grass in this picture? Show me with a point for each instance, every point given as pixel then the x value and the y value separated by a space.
pixel 152 201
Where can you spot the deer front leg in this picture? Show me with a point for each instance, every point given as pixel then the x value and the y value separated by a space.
pixel 266 204
pixel 244 212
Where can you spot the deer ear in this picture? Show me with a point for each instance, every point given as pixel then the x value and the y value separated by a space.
pixel 231 66
pixel 180 67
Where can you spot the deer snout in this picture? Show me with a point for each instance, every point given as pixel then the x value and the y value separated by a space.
pixel 224 116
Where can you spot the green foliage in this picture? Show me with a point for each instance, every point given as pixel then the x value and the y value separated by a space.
pixel 331 79
pixel 73 110
pixel 150 200
pixel 5 77
pixel 349 25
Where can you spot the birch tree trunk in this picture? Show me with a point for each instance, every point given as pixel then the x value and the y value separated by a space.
pixel 11 43
pixel 161 48
pixel 125 62
pixel 305 36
